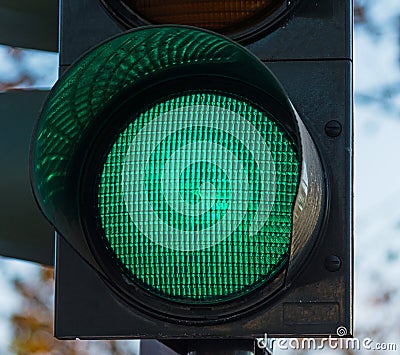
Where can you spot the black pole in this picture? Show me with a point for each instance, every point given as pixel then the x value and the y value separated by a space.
pixel 221 347
pixel 202 347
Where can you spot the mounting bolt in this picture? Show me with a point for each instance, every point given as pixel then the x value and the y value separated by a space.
pixel 333 128
pixel 333 263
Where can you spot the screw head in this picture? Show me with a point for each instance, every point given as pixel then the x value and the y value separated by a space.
pixel 333 263
pixel 333 128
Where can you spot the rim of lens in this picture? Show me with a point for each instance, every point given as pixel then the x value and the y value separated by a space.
pixel 245 29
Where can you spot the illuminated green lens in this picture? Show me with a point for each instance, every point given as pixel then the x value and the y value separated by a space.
pixel 196 196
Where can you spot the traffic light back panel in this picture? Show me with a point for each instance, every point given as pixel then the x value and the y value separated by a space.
pixel 213 193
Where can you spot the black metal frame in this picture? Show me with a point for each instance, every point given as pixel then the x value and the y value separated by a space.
pixel 24 233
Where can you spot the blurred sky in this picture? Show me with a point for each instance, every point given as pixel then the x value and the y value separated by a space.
pixel 377 173
pixel 42 67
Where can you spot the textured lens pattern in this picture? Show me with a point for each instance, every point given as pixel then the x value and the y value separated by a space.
pixel 213 15
pixel 92 83
pixel 179 181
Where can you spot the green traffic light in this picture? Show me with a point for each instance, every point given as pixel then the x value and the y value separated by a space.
pixel 196 196
pixel 170 158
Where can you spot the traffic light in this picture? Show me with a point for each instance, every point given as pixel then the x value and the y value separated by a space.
pixel 200 178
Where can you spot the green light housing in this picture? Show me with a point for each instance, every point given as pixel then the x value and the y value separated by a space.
pixel 172 160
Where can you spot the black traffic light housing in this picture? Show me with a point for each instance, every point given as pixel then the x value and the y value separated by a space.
pixel 310 53
pixel 29 24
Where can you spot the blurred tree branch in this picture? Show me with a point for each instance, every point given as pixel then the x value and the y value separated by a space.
pixel 33 324
pixel 359 13
pixel 24 79
pixel 387 95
